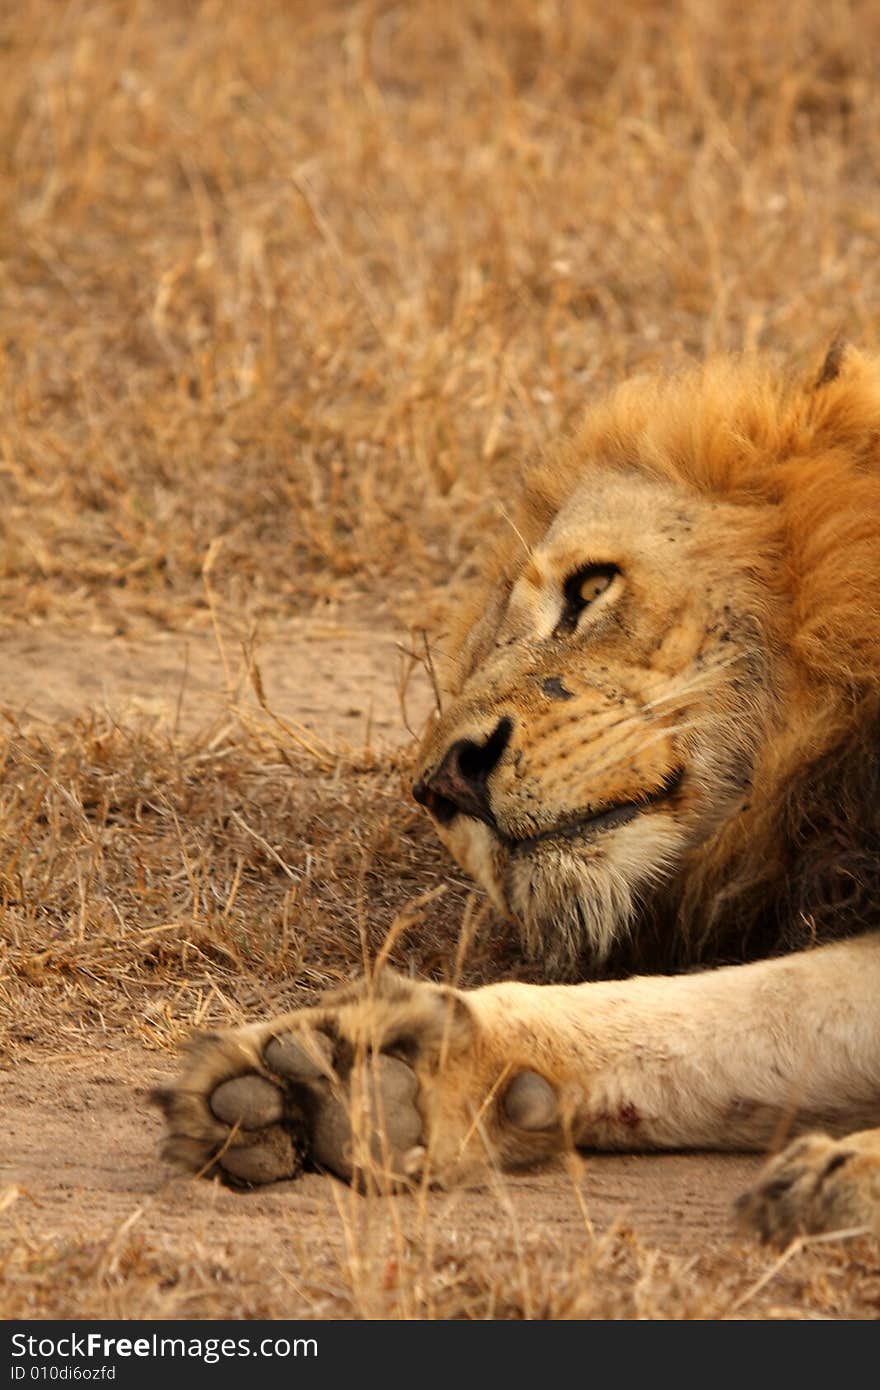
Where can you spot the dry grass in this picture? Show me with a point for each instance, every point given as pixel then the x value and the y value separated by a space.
pixel 120 1274
pixel 288 292
pixel 155 884
pixel 306 282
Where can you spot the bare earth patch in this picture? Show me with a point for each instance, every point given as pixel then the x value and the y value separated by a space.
pixel 338 681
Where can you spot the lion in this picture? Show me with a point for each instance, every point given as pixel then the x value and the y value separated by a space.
pixel 658 751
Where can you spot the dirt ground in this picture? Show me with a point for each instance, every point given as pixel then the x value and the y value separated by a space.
pixel 101 1227
pixel 342 683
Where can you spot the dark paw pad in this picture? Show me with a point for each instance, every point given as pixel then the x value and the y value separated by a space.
pixel 530 1102
pixel 378 1126
pixel 250 1102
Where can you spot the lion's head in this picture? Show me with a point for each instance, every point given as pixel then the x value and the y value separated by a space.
pixel 659 730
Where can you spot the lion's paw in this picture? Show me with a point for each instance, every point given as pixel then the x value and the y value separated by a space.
pixel 329 1088
pixel 392 1080
pixel 816 1185
pixel 258 1105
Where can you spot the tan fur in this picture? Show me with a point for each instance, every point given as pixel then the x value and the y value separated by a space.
pixel 715 702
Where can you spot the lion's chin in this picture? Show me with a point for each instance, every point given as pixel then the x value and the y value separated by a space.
pixel 576 904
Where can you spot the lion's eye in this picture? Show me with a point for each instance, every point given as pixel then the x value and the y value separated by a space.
pixel 593 586
pixel 581 589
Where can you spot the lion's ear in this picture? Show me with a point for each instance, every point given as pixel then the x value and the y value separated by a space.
pixel 833 364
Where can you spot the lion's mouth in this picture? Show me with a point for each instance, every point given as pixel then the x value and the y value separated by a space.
pixel 590 824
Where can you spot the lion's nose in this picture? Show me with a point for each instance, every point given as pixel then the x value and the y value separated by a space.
pixel 459 783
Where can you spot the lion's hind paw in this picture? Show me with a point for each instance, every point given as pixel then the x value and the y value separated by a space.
pixel 816 1185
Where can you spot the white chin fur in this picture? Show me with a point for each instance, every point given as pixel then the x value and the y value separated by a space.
pixel 476 849
pixel 577 901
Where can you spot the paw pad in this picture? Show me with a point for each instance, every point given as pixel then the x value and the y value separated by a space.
pixel 303 1058
pixel 385 1115
pixel 274 1157
pixel 530 1102
pixel 248 1101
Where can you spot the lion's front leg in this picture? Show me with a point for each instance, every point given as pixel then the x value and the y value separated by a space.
pixel 412 1078
pixel 392 1078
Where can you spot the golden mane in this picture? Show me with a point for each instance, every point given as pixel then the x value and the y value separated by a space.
pixel 741 430
pixel 805 460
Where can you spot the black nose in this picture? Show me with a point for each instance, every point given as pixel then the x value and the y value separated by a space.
pixel 459 783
